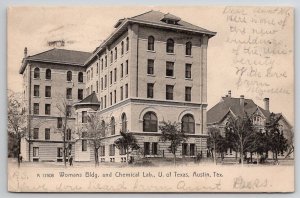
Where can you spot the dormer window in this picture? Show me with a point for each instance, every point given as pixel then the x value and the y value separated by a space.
pixel 171 19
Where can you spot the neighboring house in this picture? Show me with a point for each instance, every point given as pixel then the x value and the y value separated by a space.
pixel 153 67
pixel 51 80
pixel 219 115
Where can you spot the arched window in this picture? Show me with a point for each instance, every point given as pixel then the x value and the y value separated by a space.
pixel 151 43
pixel 36 73
pixel 170 46
pixel 112 126
pixel 48 74
pixel 80 77
pixel 69 76
pixel 188 48
pixel 124 123
pixel 150 122
pixel 127 44
pixel 188 124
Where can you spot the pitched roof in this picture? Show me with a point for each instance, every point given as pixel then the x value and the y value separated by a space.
pixel 155 17
pixel 150 18
pixel 90 99
pixel 228 104
pixel 60 56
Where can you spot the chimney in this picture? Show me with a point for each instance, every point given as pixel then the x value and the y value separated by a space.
pixel 229 93
pixel 267 104
pixel 25 52
pixel 242 101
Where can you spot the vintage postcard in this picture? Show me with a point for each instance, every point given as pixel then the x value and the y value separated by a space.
pixel 150 99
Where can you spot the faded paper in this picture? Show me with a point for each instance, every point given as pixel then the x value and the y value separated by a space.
pixel 251 54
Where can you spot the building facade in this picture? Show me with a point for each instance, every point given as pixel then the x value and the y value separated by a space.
pixel 53 81
pixel 152 68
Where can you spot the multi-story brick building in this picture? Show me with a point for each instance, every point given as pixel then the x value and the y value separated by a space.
pixel 153 67
pixel 53 81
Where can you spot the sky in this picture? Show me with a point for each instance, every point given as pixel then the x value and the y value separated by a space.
pixel 84 28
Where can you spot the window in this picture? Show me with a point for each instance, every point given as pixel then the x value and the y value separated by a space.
pixel 47 134
pixel 101 64
pixel 97 69
pixel 102 150
pixel 36 133
pixel 36 73
pixel 35 151
pixel 170 69
pixel 150 122
pixel 92 73
pixel 103 127
pixel 110 98
pixel 101 83
pixel 84 117
pixel 97 86
pixel 170 46
pixel 111 56
pixel 169 92
pixel 150 90
pixel 36 108
pixel 126 67
pixel 154 148
pixel 48 91
pixel 59 123
pixel 105 81
pixel 124 123
pixel 88 75
pixel 115 96
pixel 69 134
pixel 115 75
pixel 92 90
pixel 59 152
pixel 48 74
pixel 126 90
pixel 127 44
pixel 69 110
pixel 104 101
pixel 36 90
pixel 188 71
pixel 122 152
pixel 69 76
pixel 105 61
pixel 188 48
pixel 80 94
pixel 111 77
pixel 121 93
pixel 111 150
pixel 112 126
pixel 184 149
pixel 122 74
pixel 47 109
pixel 188 124
pixel 116 53
pixel 69 93
pixel 192 149
pixel 150 66
pixel 151 43
pixel 80 77
pixel 122 47
pixel 88 91
pixel 188 93
pixel 83 145
pixel 146 148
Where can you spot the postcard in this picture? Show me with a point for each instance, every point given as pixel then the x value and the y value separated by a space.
pixel 150 99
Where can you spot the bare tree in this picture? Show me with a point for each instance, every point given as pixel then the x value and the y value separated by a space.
pixel 16 121
pixel 172 132
pixel 240 134
pixel 65 109
pixel 216 142
pixel 95 131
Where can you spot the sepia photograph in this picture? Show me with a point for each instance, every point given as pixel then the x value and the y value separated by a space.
pixel 150 99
